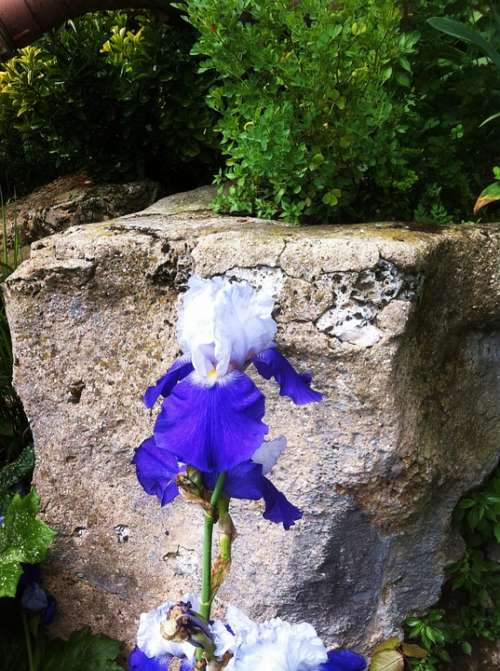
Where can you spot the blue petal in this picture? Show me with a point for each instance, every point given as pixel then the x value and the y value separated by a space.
pixel 137 661
pixel 278 507
pixel 177 372
pixel 157 470
pixel 34 598
pixel 215 427
pixel 343 660
pixel 246 481
pixel 50 612
pixel 270 363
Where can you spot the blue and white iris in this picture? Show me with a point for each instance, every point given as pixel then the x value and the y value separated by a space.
pixel 211 419
pixel 274 645
pixel 212 413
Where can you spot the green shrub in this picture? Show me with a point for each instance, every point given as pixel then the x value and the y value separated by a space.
pixel 309 118
pixel 346 111
pixel 469 609
pixel 454 90
pixel 113 92
pixel 15 435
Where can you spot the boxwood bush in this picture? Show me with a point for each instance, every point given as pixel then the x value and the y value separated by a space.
pixel 341 111
pixel 117 93
pixel 307 104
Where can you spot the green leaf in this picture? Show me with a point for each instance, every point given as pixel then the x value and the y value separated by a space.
pixel 83 651
pixel 332 197
pixel 14 473
pixel 316 161
pixel 386 73
pixel 23 539
pixel 464 32
pixel 387 660
pixel 489 195
pixel 413 650
pixel 390 644
pixel 490 118
pixel 467 648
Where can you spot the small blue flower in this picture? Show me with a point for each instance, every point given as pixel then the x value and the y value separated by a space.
pixel 2 520
pixel 49 613
pixel 34 599
pixel 343 660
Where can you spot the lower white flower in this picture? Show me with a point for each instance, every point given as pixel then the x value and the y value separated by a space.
pixel 271 646
pixel 150 639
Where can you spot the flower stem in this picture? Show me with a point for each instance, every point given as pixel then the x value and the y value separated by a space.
pixel 206 587
pixel 27 638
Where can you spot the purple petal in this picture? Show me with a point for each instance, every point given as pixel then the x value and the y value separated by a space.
pixel 49 613
pixel 270 363
pixel 137 661
pixel 34 598
pixel 215 427
pixel 278 507
pixel 343 660
pixel 157 470
pixel 246 481
pixel 177 372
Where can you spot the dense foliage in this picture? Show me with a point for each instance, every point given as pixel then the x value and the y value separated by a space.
pixel 346 111
pixel 16 457
pixel 326 111
pixel 308 121
pixel 113 92
pixel 470 606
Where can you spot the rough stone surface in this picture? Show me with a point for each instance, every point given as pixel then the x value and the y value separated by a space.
pixel 74 200
pixel 401 329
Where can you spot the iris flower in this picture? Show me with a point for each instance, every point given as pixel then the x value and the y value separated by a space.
pixel 138 661
pixel 157 470
pixel 211 416
pixel 274 645
pixel 34 599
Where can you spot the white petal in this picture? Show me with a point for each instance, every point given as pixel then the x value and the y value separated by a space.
pixel 222 637
pixel 222 324
pixel 269 453
pixel 274 645
pixel 150 640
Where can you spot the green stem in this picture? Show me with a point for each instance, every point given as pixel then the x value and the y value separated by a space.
pixel 206 587
pixel 27 638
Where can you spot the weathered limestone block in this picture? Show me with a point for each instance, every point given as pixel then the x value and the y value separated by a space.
pixel 72 200
pixel 401 329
